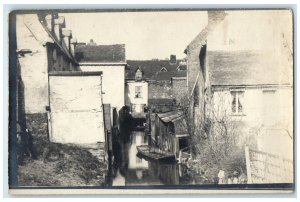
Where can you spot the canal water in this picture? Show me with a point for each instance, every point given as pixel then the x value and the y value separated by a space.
pixel 129 170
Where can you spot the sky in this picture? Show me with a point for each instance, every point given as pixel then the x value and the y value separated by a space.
pixel 146 35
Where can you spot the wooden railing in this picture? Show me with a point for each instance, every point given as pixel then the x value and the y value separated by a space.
pixel 263 167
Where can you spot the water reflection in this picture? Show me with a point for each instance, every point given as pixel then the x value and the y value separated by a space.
pixel 129 169
pixel 137 138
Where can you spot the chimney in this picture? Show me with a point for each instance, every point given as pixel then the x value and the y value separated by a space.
pixel 49 22
pixel 67 35
pixel 91 43
pixel 173 59
pixel 59 23
pixel 73 43
pixel 215 16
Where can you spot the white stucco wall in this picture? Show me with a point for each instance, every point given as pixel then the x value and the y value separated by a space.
pixel 270 115
pixel 113 83
pixel 130 92
pixel 34 66
pixel 76 109
pixel 260 108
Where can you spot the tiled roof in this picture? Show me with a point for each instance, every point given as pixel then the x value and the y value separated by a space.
pixel 247 68
pixel 100 53
pixel 178 118
pixel 163 76
pixel 151 69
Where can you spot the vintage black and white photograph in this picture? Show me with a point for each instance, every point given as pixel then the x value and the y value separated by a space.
pixel 161 99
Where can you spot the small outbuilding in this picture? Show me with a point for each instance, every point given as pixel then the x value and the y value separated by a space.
pixel 171 132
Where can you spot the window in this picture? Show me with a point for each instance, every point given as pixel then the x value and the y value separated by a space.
pixel 138 92
pixel 237 102
pixel 138 74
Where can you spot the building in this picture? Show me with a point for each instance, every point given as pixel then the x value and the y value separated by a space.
pixel 197 71
pixel 171 132
pixel 255 82
pixel 44 45
pixel 53 92
pixel 76 109
pixel 111 61
pixel 179 90
pixel 136 92
pixel 166 78
pixel 246 75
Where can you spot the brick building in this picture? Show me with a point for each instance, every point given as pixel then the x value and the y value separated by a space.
pixel 165 77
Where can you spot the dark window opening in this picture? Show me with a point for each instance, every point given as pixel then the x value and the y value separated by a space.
pixel 202 58
pixel 183 143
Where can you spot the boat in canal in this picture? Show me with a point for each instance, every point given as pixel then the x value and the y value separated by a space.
pixel 149 152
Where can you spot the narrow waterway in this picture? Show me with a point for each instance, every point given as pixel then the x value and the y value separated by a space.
pixel 128 169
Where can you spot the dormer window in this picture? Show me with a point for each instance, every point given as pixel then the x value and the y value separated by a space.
pixel 138 74
pixel 163 69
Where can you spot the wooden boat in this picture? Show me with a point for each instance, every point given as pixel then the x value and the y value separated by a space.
pixel 145 151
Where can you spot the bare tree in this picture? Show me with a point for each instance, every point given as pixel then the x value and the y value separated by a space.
pixel 213 137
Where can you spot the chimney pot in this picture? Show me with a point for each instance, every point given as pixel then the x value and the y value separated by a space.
pixel 92 43
pixel 73 43
pixel 59 23
pixel 67 35
pixel 49 22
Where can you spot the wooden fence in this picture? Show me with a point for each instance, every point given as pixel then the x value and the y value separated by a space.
pixel 264 167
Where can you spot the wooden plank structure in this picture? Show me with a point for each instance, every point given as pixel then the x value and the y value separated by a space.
pixel 171 132
pixel 75 112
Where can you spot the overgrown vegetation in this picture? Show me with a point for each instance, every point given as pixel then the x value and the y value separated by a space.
pixel 215 144
pixel 58 164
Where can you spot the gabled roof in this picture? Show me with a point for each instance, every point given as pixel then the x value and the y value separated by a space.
pixel 152 69
pixel 247 68
pixel 182 67
pixel 100 53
